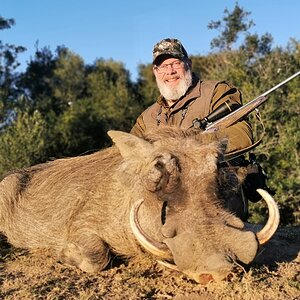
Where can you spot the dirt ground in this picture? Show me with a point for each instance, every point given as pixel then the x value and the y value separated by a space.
pixel 37 275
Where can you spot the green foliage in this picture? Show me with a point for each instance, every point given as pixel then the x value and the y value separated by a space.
pixel 113 94
pixel 8 65
pixel 79 102
pixel 147 86
pixel 233 24
pixel 36 82
pixel 22 142
pixel 80 129
pixel 255 45
pixel 68 81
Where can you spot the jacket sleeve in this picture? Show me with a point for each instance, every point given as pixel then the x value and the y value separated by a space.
pixel 240 134
pixel 139 127
pixel 146 120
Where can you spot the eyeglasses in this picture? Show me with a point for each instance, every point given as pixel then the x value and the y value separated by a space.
pixel 164 68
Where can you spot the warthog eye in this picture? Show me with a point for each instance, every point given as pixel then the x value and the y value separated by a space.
pixel 159 165
pixel 164 212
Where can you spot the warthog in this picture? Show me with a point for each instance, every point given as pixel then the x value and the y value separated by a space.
pixel 157 195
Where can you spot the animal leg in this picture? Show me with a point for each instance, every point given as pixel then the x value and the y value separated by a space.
pixel 90 257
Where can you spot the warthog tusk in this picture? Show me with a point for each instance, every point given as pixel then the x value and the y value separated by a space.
pixel 168 265
pixel 269 229
pixel 154 247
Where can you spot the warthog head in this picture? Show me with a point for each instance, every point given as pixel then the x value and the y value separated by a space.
pixel 196 234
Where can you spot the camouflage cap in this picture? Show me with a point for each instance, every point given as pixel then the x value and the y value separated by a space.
pixel 172 47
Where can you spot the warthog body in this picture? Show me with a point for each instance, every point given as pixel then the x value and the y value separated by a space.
pixel 81 206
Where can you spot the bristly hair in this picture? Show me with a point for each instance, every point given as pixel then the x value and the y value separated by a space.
pixel 163 132
pixel 24 175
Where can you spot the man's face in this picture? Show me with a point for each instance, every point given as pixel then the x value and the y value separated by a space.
pixel 173 77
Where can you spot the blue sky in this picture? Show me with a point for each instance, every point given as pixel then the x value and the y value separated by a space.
pixel 126 30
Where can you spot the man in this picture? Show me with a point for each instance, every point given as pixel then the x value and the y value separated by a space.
pixel 184 98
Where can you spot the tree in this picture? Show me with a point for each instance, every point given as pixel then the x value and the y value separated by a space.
pixel 106 100
pixel 113 94
pixel 146 85
pixel 80 130
pixel 234 23
pixel 36 82
pixel 22 142
pixel 8 75
pixel 69 82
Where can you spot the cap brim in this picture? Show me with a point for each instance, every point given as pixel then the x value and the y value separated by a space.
pixel 166 55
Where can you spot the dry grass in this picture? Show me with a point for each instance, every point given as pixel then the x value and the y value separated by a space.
pixel 38 275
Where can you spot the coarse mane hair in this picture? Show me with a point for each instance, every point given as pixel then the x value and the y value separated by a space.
pixel 164 132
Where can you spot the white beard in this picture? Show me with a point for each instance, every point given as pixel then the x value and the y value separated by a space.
pixel 174 93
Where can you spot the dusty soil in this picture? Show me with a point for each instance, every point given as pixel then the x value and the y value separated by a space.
pixel 37 275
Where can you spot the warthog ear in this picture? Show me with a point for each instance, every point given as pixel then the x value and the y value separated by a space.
pixel 129 145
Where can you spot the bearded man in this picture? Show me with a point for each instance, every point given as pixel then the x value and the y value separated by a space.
pixel 185 98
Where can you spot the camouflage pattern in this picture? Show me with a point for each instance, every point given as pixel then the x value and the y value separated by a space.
pixel 171 47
